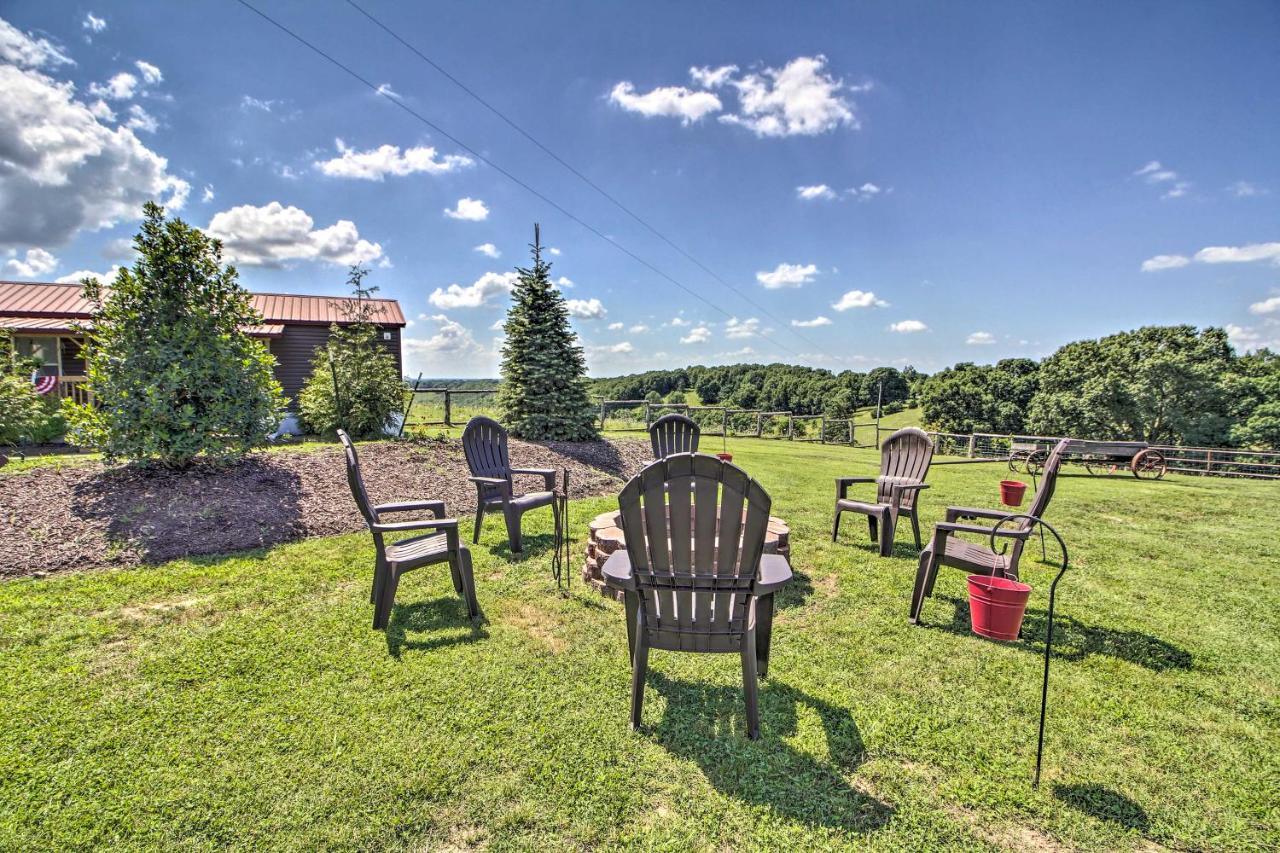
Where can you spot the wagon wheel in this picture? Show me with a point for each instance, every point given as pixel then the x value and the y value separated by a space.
pixel 1090 465
pixel 1035 461
pixel 1149 465
pixel 1018 461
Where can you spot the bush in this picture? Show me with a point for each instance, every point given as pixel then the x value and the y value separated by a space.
pixel 370 388
pixel 173 373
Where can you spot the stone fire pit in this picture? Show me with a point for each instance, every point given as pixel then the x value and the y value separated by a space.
pixel 606 536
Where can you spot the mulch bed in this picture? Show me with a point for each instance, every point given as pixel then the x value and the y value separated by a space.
pixel 88 516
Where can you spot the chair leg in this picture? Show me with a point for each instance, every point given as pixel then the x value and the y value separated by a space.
pixel 921 587
pixel 835 525
pixel 468 590
pixel 631 601
pixel 751 684
pixel 475 530
pixel 639 667
pixel 764 633
pixel 513 532
pixel 888 526
pixel 456 574
pixel 873 526
pixel 386 600
pixel 915 527
pixel 377 579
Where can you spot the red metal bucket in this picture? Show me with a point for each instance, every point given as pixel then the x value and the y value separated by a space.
pixel 996 606
pixel 1011 492
pixel 725 457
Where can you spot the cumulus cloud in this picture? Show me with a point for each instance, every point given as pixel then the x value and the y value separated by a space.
pixel 799 99
pixel 712 78
pixel 619 347
pixel 35 263
pixel 700 334
pixel 140 119
pixel 553 250
pixel 677 322
pixel 675 101
pixel 376 163
pixel 616 326
pixel 638 329
pixel 1239 254
pixel 907 327
pixel 121 87
pixel 78 276
pixel 248 102
pixel 27 51
pixel 63 169
pixel 150 74
pixel 93 23
pixel 1165 262
pixel 451 339
pixel 866 192
pixel 1155 173
pixel 586 309
pixel 810 324
pixel 488 250
pixel 815 192
pixel 477 293
pixel 980 339
pixel 564 283
pixel 787 275
pixel 1244 189
pixel 207 195
pixel 1266 306
pixel 858 299
pixel 273 235
pixel 736 328
pixel 470 209
pixel 1247 338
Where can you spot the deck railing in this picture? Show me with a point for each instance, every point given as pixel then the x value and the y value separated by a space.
pixel 75 388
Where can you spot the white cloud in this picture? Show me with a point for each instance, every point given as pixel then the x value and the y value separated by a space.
pixel 700 334
pixel 1154 173
pixel 810 324
pixel 470 209
pixel 1244 189
pixel 386 90
pixel 1266 306
pixel 677 322
pixel 866 192
pixel 63 169
pixel 859 299
pixel 1165 262
pixel 1246 338
pixel 76 277
pixel 376 163
pixel 637 329
pixel 564 283
pixel 787 275
pixel 617 326
pixel 273 234
pixel 712 78
pixel 1178 190
pixel 93 23
pixel 475 294
pixel 36 263
pixel 27 51
pixel 121 87
pixel 798 99
pixel 553 250
pixel 736 328
pixel 907 327
pixel 248 102
pixel 488 250
pixel 140 119
pixel 1239 254
pixel 150 74
pixel 675 101
pixel 619 347
pixel 207 195
pixel 586 309
pixel 980 339
pixel 102 111
pixel 815 192
pixel 451 339
pixel 499 324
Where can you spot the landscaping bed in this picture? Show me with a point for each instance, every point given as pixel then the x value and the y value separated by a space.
pixel 91 515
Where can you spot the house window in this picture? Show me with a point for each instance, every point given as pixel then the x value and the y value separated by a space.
pixel 44 351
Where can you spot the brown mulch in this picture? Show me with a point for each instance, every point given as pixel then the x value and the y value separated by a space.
pixel 87 516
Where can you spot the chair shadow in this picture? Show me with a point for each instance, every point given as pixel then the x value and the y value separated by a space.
pixel 1074 640
pixel 434 615
pixel 707 724
pixel 596 454
pixel 1105 804
pixel 794 594
pixel 538 545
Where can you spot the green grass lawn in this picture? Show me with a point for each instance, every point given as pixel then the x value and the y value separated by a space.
pixel 244 701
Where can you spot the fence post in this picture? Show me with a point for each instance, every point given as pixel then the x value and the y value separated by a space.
pixel 448 409
pixel 602 414
pixel 972 438
pixel 725 431
pixel 851 442
pixel 759 424
pixel 1208 461
pixel 791 427
pixel 822 430
pixel 648 414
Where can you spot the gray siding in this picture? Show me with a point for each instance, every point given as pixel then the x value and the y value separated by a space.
pixel 296 348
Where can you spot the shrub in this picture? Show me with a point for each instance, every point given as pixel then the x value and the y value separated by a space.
pixel 174 375
pixel 370 388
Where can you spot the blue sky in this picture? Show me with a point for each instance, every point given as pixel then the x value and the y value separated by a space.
pixel 915 182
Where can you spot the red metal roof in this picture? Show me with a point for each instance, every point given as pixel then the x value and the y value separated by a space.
pixel 50 325
pixel 67 302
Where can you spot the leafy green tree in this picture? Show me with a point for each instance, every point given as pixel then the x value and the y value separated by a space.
pixel 370 390
pixel 1161 384
pixel 979 398
pixel 1254 389
pixel 543 395
pixel 174 374
pixel 888 382
pixel 22 411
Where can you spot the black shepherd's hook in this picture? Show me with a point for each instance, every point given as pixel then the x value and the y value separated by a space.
pixel 560 560
pixel 1048 639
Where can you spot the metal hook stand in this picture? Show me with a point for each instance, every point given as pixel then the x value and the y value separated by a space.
pixel 560 560
pixel 1048 639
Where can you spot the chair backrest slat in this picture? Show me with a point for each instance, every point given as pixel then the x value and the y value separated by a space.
pixel 905 457
pixel 1048 482
pixel 484 442
pixel 672 434
pixel 356 481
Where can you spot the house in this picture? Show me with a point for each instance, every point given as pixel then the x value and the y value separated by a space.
pixel 45 321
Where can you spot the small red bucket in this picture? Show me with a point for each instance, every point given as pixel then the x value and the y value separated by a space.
pixel 725 457
pixel 996 606
pixel 1011 492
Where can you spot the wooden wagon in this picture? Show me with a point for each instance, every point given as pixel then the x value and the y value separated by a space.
pixel 1138 457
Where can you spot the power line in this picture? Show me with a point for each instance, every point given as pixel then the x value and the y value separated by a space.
pixel 511 177
pixel 575 172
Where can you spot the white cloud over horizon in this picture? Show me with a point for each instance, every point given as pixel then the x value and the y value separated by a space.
pixel 273 235
pixel 477 293
pixel 469 209
pixel 787 275
pixel 35 263
pixel 376 164
pixel 858 299
pixel 908 327
pixel 811 324
pixel 980 339
pixel 586 309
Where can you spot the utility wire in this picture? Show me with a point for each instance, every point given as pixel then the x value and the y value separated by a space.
pixel 402 105
pixel 575 172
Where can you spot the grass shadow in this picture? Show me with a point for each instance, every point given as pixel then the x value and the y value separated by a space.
pixel 796 593
pixel 434 616
pixel 538 545
pixel 1074 640
pixel 1105 804
pixel 707 724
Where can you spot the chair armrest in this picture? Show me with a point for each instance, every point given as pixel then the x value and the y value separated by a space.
pixel 501 483
pixel 843 484
pixel 1010 532
pixel 547 474
pixel 898 488
pixel 617 571
pixel 420 524
pixel 954 512
pixel 775 573
pixel 436 507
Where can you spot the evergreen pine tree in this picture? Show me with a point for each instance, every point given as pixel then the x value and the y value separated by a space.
pixel 543 395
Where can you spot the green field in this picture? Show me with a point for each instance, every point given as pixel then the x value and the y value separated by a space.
pixel 243 701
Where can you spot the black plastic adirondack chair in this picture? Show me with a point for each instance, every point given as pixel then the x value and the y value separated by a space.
pixel 694 573
pixel 396 558
pixel 946 549
pixel 904 464
pixel 484 442
pixel 674 434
